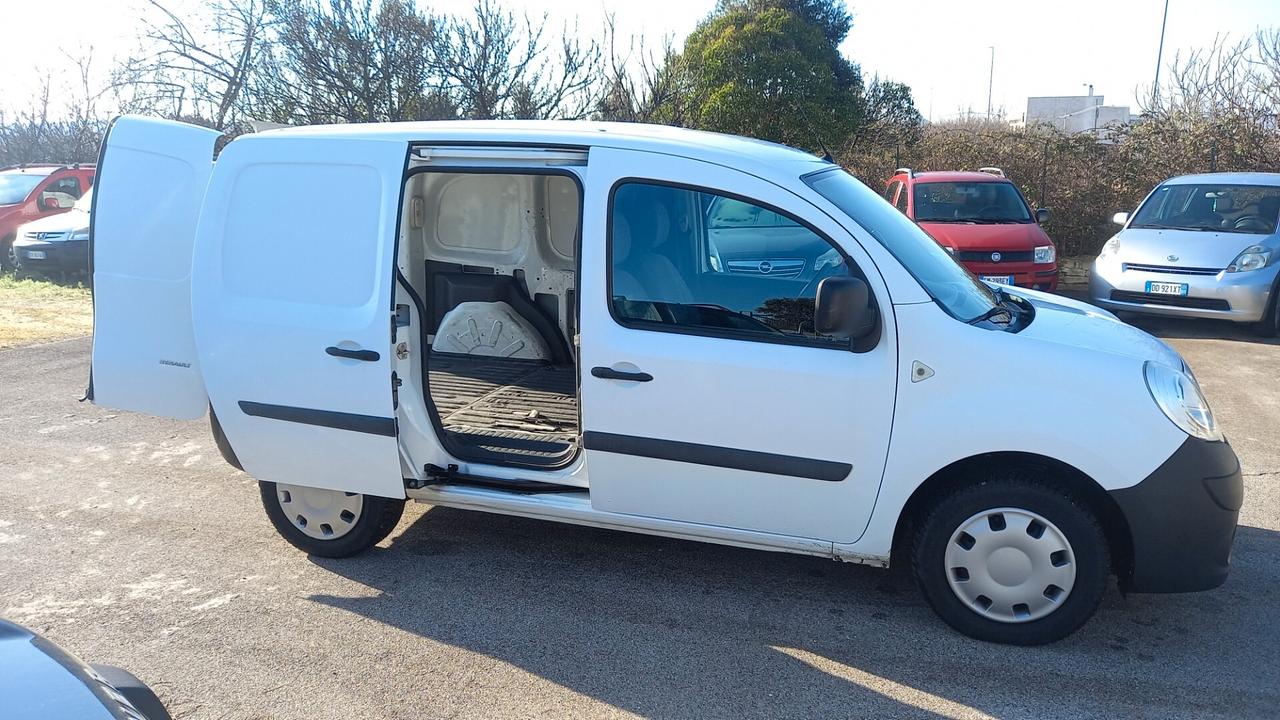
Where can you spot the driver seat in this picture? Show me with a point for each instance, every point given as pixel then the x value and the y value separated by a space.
pixel 641 272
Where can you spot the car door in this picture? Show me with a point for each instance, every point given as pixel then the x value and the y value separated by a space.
pixel 142 230
pixel 291 302
pixel 704 398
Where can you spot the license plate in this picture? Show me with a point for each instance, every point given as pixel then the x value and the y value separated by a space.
pixel 998 279
pixel 1166 288
pixel 35 254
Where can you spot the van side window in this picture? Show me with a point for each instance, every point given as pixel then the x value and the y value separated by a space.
pixel 693 261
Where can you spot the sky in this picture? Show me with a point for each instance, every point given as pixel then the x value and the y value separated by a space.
pixel 941 48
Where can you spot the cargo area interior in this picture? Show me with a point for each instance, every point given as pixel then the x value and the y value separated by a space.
pixel 490 255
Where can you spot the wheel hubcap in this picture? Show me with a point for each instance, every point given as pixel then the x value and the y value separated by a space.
pixel 321 514
pixel 1010 565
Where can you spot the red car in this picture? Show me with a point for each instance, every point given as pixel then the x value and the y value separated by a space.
pixel 982 219
pixel 30 192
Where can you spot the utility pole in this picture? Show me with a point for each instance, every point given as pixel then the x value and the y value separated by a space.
pixel 991 78
pixel 1155 86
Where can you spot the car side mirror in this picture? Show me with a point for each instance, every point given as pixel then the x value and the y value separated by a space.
pixel 1042 215
pixel 843 308
pixel 49 203
pixel 1120 218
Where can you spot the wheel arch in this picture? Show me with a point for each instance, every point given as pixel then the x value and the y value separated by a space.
pixel 971 470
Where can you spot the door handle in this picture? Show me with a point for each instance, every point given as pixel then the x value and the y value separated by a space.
pixel 365 355
pixel 609 373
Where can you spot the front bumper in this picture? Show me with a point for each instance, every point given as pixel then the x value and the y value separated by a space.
pixel 1240 297
pixel 70 256
pixel 1042 276
pixel 1182 519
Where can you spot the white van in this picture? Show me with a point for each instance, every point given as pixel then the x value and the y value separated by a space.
pixel 646 329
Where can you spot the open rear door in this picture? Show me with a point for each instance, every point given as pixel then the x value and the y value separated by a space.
pixel 152 176
pixel 292 304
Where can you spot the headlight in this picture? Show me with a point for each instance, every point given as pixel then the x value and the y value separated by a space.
pixel 1252 258
pixel 1178 395
pixel 1045 254
pixel 1111 247
pixel 82 234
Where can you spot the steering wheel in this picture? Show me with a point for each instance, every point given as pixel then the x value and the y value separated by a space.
pixel 1250 222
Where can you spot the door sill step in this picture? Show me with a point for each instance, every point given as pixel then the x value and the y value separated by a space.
pixel 436 475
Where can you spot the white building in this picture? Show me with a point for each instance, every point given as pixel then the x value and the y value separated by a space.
pixel 1076 113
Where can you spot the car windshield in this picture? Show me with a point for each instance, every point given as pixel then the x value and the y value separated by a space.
pixel 992 202
pixel 949 284
pixel 16 186
pixel 1214 207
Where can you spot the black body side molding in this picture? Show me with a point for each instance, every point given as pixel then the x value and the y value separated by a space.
pixel 324 418
pixel 714 455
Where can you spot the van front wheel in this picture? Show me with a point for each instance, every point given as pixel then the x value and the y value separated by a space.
pixel 1012 560
pixel 329 523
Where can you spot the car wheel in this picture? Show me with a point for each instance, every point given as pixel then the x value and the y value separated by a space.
pixel 1012 560
pixel 329 523
pixel 8 256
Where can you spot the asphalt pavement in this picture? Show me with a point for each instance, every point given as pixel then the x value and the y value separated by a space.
pixel 129 541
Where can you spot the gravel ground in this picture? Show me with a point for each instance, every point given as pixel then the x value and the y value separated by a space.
pixel 128 540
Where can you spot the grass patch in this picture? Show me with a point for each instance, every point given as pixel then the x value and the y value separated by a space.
pixel 33 311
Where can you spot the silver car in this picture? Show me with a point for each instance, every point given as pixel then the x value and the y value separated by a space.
pixel 1198 246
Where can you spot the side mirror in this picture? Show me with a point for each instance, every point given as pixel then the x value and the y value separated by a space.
pixel 1120 218
pixel 49 203
pixel 843 308
pixel 1042 215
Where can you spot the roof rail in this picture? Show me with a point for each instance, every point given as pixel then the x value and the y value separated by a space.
pixel 909 172
pixel 991 171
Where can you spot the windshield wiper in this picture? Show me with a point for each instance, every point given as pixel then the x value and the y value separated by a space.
pixel 992 313
pixel 1160 226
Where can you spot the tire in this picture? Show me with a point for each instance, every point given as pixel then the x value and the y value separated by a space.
pixel 356 522
pixel 8 260
pixel 1070 559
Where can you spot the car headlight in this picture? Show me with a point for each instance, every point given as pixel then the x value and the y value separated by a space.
pixel 1111 247
pixel 1251 258
pixel 1178 395
pixel 1045 254
pixel 82 234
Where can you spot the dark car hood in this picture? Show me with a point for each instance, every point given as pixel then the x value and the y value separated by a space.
pixel 974 236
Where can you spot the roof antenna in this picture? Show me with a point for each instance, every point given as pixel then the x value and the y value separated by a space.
pixel 826 154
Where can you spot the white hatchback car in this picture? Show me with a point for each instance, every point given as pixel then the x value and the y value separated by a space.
pixel 532 318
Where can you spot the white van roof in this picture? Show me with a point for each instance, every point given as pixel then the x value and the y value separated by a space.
pixel 739 151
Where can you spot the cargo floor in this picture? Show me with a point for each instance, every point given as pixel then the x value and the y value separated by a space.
pixel 501 409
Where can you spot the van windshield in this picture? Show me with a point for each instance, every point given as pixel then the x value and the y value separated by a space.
pixel 949 284
pixel 15 187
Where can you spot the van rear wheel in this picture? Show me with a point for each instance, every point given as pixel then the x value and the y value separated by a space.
pixel 329 523
pixel 1012 560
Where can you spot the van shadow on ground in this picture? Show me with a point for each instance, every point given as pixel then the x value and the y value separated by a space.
pixel 668 628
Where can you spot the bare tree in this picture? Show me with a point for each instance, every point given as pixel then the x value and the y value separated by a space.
pixel 498 67
pixel 351 61
pixel 196 67
pixel 639 84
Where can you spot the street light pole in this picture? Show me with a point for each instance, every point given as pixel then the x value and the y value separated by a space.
pixel 992 77
pixel 1155 86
